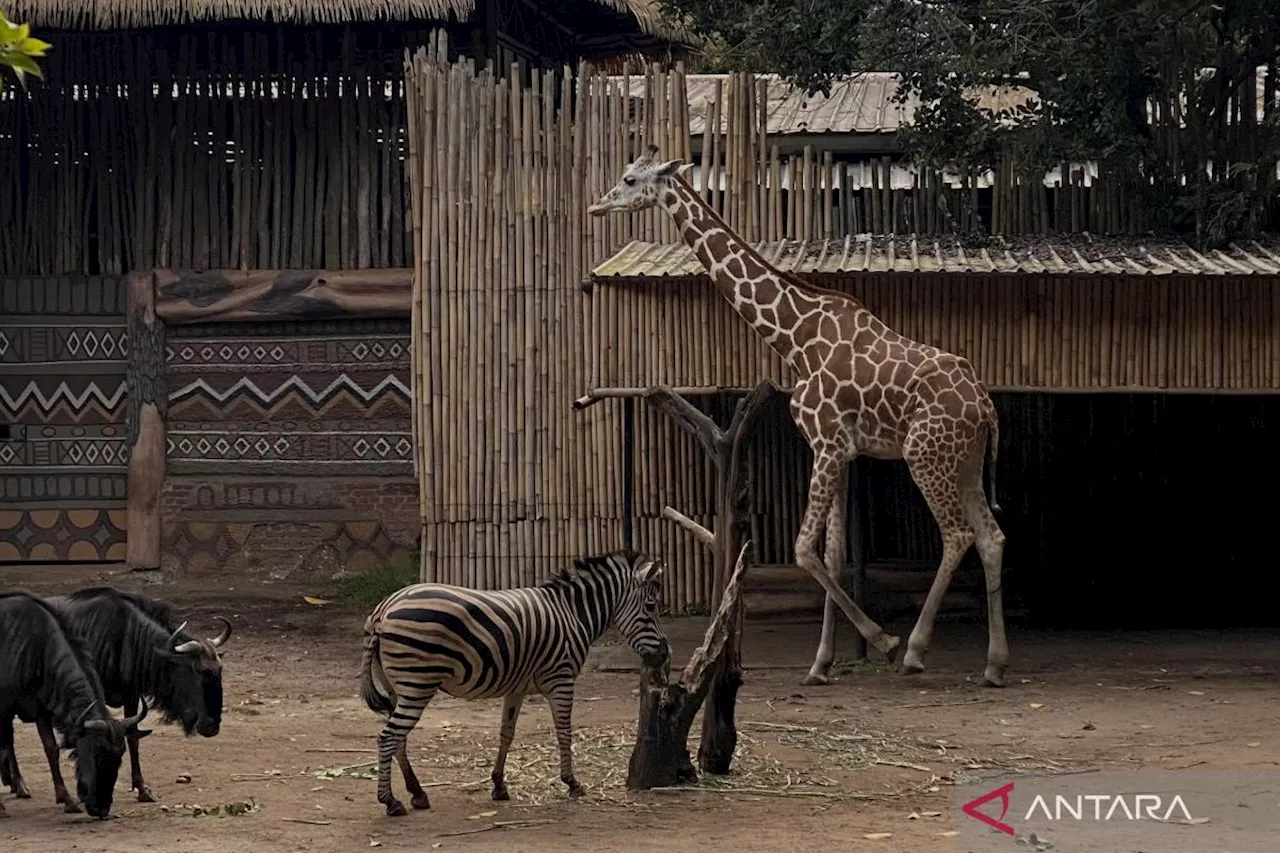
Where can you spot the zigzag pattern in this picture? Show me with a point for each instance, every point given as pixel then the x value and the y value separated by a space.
pixel 92 413
pixel 294 405
pixel 63 394
pixel 245 385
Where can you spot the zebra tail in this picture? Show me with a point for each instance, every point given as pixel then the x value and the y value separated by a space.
pixel 375 699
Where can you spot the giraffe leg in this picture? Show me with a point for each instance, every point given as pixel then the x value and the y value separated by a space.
pixel 833 555
pixel 990 542
pixel 511 705
pixel 560 697
pixel 822 487
pixel 391 742
pixel 939 480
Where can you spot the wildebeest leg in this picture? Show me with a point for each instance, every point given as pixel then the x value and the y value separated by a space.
pixel 511 705
pixel 135 763
pixel 9 773
pixel 69 805
pixel 391 740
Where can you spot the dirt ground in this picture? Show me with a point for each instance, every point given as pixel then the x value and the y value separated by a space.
pixel 818 767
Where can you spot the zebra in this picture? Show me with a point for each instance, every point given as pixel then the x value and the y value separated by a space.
pixel 476 644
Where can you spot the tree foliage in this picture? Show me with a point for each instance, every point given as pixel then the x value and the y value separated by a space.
pixel 19 51
pixel 1112 79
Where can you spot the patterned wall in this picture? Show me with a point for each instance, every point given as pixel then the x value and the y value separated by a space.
pixel 290 445
pixel 63 437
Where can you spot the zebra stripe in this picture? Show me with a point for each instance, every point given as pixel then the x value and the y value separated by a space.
pixel 476 644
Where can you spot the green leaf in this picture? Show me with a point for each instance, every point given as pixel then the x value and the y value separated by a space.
pixel 22 64
pixel 33 46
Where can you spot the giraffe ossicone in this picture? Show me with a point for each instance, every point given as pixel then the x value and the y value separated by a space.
pixel 861 389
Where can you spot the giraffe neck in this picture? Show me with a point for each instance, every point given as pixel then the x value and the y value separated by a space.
pixel 771 304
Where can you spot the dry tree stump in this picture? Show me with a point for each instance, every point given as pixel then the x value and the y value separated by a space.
pixel 661 754
pixel 714 673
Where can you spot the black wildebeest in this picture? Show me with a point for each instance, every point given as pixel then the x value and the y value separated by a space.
pixel 139 652
pixel 46 673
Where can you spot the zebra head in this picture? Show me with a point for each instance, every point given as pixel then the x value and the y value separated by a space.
pixel 636 618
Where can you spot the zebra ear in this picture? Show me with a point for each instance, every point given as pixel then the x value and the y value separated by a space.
pixel 650 572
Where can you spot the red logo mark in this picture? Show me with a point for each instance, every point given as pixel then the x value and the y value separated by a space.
pixel 971 808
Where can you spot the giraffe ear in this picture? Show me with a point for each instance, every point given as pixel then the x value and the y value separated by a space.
pixel 668 168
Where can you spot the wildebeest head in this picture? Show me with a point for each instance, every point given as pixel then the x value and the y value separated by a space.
pixel 195 680
pixel 98 744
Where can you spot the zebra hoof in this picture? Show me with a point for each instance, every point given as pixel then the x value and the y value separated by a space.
pixel 576 791
pixel 395 808
pixel 145 795
pixel 501 795
pixel 420 801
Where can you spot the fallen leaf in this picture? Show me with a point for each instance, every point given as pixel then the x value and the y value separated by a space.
pixel 183 779
pixel 1195 821
pixel 373 842
pixel 437 844
pixel 1035 706
pixel 913 816
pixel 1253 743
pixel 1088 727
pixel 877 836
pixel 1196 692
pixel 1146 726
pixel 947 833
pixel 479 815
pixel 318 602
pixel 931 814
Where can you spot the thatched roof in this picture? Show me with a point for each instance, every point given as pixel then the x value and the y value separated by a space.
pixel 119 14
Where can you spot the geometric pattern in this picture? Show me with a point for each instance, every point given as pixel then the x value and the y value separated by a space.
pixel 316 396
pixel 329 445
pixel 81 534
pixel 283 351
pixel 63 470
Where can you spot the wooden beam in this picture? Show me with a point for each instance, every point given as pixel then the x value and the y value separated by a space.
pixel 148 403
pixel 221 296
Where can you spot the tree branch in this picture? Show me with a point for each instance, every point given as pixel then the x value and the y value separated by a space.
pixel 702 534
pixel 748 409
pixel 696 676
pixel 687 416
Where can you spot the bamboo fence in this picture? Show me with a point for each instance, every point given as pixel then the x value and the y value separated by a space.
pixel 514 482
pixel 222 151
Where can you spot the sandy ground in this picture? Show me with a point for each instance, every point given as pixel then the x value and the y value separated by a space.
pixel 818 768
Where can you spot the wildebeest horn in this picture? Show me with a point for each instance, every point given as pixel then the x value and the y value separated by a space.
pixel 85 713
pixel 182 648
pixel 217 642
pixel 132 722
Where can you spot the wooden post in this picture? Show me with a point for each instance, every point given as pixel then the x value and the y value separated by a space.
pixel 148 402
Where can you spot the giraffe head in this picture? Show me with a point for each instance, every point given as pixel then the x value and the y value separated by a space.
pixel 641 185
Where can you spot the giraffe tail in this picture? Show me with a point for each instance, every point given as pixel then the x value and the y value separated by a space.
pixel 993 451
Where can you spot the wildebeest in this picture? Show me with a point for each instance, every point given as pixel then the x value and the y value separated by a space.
pixel 139 652
pixel 45 673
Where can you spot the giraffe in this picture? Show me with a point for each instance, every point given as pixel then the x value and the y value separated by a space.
pixel 861 388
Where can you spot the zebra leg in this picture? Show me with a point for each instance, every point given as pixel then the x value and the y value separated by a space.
pixel 391 740
pixel 135 762
pixel 560 697
pixel 419 798
pixel 511 705
pixel 60 795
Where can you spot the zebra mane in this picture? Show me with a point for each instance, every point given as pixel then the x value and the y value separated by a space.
pixel 599 564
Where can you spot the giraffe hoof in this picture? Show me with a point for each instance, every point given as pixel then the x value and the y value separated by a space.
pixel 993 677
pixel 815 679
pixel 890 645
pixel 911 667
pixel 420 801
pixel 395 808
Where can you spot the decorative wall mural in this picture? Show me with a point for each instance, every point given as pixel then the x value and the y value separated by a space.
pixel 63 439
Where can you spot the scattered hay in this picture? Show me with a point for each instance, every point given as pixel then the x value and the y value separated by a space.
pixel 772 759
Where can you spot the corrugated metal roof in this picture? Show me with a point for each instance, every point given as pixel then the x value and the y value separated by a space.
pixel 863 103
pixel 855 254
pixel 860 104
